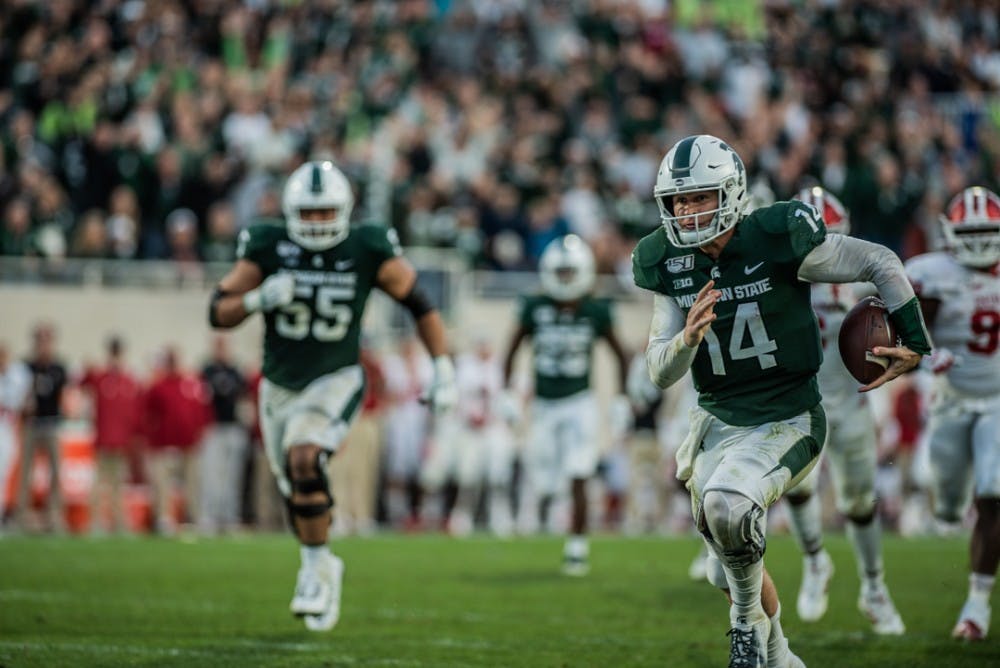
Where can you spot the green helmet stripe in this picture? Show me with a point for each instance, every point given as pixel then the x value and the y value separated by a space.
pixel 681 166
pixel 317 181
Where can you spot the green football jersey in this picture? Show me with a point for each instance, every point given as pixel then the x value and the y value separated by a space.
pixel 320 331
pixel 758 360
pixel 562 338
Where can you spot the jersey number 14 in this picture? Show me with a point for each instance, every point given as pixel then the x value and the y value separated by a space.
pixel 747 319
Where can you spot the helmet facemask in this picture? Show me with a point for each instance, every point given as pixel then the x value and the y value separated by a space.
pixel 317 186
pixel 697 164
pixel 971 227
pixel 567 269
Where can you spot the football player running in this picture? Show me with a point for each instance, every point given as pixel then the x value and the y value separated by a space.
pixel 311 279
pixel 959 290
pixel 733 305
pixel 851 449
pixel 564 323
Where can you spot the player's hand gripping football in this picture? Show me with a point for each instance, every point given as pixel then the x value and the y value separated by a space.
pixel 701 315
pixel 901 360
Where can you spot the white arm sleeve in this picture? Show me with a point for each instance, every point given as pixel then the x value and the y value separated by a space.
pixel 842 259
pixel 667 355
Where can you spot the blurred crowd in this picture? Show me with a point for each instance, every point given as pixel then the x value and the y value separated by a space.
pixel 159 128
pixel 106 447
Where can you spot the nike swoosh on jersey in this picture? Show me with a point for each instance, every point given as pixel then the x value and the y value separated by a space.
pixel 343 265
pixel 749 270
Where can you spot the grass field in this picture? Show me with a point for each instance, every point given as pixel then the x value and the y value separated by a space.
pixel 434 601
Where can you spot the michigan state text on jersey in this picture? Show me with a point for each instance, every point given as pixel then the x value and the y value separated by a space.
pixel 763 350
pixel 331 288
pixel 310 279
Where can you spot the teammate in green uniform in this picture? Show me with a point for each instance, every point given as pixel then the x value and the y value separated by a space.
pixel 564 323
pixel 310 279
pixel 732 304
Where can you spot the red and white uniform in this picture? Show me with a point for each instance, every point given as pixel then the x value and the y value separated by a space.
pixel 965 410
pixel 850 436
pixel 474 444
pixel 15 384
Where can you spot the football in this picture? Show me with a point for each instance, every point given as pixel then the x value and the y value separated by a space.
pixel 866 326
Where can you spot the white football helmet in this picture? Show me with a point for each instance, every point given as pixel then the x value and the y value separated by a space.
pixel 317 185
pixel 830 209
pixel 971 225
pixel 701 162
pixel 567 268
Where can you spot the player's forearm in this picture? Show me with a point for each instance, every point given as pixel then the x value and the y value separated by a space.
pixel 430 329
pixel 227 311
pixel 841 259
pixel 667 356
pixel 668 360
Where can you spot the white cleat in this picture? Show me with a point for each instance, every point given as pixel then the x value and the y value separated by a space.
pixel 333 574
pixel 876 604
pixel 783 657
pixel 575 567
pixel 817 569
pixel 460 524
pixel 312 594
pixel 973 622
pixel 748 643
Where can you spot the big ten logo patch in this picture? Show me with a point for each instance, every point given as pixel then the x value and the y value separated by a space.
pixel 683 283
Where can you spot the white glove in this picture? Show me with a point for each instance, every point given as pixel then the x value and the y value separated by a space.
pixel 442 395
pixel 276 290
pixel 509 407
pixel 620 417
pixel 940 360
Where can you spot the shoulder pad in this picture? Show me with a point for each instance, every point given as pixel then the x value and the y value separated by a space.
pixel 378 236
pixel 776 218
pixel 651 249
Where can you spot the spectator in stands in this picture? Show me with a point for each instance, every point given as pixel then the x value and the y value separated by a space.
pixel 123 223
pixel 224 449
pixel 176 414
pixel 117 413
pixel 447 98
pixel 44 419
pixel 16 237
pixel 220 239
pixel 90 236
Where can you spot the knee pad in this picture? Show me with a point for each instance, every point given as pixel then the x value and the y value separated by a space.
pixel 736 525
pixel 317 482
pixel 860 506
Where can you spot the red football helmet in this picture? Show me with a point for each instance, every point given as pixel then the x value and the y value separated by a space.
pixel 830 208
pixel 971 225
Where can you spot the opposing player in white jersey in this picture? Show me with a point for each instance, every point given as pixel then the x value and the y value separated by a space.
pixel 475 445
pixel 15 384
pixel 959 290
pixel 851 451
